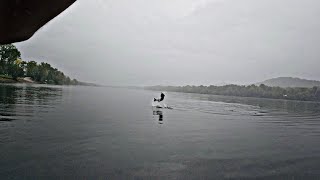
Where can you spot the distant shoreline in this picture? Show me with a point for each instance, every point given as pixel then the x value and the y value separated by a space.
pixel 261 91
pixel 28 80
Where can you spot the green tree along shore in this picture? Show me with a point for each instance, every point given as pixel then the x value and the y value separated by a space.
pixel 12 67
pixel 261 91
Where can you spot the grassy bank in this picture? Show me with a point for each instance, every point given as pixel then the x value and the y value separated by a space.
pixel 8 79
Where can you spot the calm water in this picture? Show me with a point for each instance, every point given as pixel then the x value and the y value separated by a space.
pixel 53 132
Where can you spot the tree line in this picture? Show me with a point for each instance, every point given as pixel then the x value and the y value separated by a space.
pixel 261 91
pixel 12 66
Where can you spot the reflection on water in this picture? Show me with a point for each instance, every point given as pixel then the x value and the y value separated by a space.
pixel 272 104
pixel 160 114
pixel 94 133
pixel 254 106
pixel 24 100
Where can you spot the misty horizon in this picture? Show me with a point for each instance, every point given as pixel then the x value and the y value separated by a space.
pixel 208 42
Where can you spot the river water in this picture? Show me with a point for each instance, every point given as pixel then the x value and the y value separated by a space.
pixel 56 132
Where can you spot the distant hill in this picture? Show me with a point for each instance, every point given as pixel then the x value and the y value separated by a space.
pixel 290 82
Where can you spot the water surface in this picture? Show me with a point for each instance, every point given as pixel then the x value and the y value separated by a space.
pixel 57 132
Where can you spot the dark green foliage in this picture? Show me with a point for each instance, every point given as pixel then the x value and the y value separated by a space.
pixel 12 65
pixel 8 55
pixel 46 74
pixel 262 91
pixel 16 71
pixel 32 69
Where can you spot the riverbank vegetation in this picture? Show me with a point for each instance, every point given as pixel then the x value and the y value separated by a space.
pixel 14 69
pixel 261 91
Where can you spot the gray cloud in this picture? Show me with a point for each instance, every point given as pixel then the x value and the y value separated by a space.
pixel 145 42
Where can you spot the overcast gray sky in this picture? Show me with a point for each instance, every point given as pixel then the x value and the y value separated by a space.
pixel 178 42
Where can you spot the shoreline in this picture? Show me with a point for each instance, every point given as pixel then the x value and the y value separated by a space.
pixel 4 80
pixel 250 97
pixel 28 80
pixel 164 88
